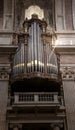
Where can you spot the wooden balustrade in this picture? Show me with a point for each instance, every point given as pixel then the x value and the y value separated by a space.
pixel 36 98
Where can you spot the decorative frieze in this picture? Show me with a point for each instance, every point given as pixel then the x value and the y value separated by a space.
pixel 68 73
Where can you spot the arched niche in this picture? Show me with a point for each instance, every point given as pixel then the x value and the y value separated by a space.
pixel 42 8
pixel 34 9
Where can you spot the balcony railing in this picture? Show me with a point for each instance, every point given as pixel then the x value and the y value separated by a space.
pixel 35 98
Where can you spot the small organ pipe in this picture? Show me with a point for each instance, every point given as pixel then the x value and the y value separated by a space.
pixel 35 46
pixel 32 61
pixel 38 41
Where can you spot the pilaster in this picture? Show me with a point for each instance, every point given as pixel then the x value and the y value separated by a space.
pixel 4 83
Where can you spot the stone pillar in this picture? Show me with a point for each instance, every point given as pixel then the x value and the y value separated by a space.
pixel 4 77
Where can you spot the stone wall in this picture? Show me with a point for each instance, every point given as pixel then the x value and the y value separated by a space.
pixel 68 75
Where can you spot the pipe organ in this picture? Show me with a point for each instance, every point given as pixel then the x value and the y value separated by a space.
pixel 34 53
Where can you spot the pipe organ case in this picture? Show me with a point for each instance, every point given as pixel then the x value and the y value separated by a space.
pixel 33 52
